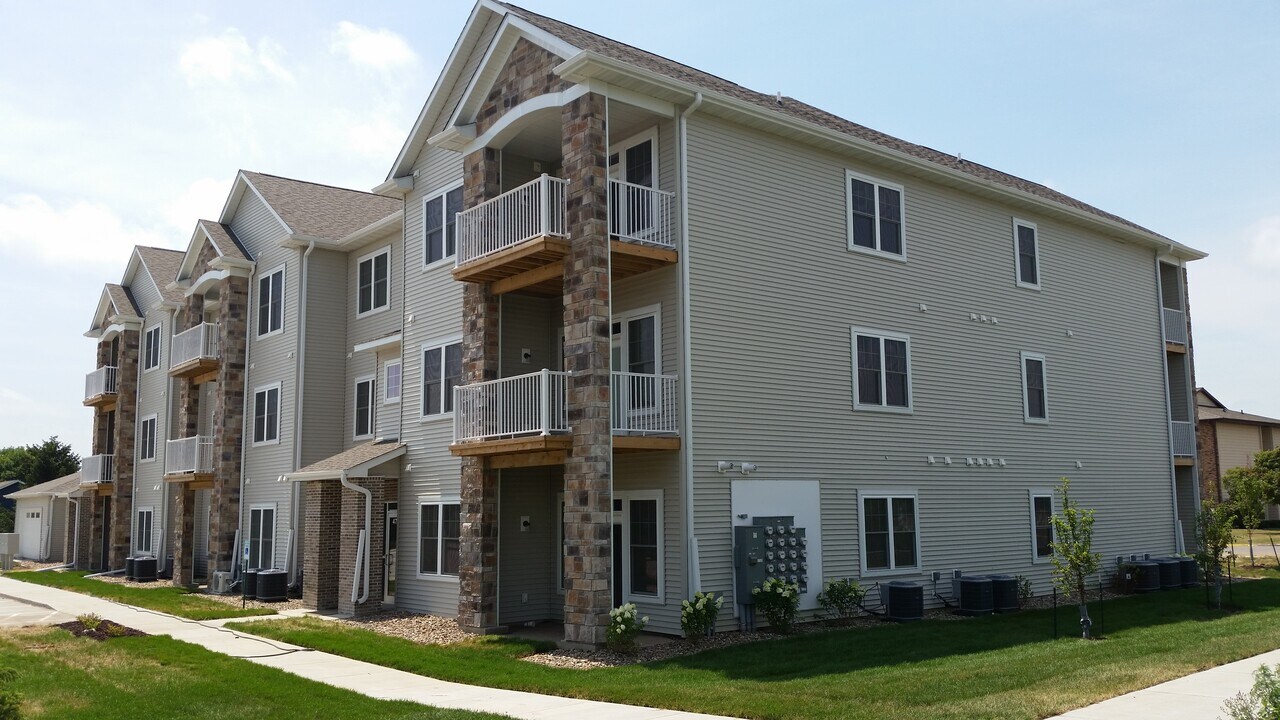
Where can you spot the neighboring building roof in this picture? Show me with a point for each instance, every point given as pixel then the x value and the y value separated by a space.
pixel 224 240
pixel 1218 411
pixel 321 211
pixel 366 455
pixel 163 266
pixel 60 486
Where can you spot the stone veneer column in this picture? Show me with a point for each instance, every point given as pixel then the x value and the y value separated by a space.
pixel 352 522
pixel 478 542
pixel 83 527
pixel 126 433
pixel 588 481
pixel 321 518
pixel 184 525
pixel 228 431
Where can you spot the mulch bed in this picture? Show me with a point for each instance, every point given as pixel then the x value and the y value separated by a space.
pixel 105 630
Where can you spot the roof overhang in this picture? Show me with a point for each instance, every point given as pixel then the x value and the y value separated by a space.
pixel 395 187
pixel 357 470
pixel 373 231
pixel 382 343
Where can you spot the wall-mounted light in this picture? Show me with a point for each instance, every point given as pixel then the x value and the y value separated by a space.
pixel 748 468
pixel 723 466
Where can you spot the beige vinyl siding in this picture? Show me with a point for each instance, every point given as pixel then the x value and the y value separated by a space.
pixel 660 471
pixel 530 323
pixel 1237 444
pixel 372 327
pixel 154 390
pixel 774 292
pixel 528 588
pixel 325 357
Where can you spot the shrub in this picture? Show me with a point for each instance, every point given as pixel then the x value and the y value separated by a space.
pixel 778 601
pixel 1262 702
pixel 90 621
pixel 113 630
pixel 10 700
pixel 1024 589
pixel 625 626
pixel 698 615
pixel 842 599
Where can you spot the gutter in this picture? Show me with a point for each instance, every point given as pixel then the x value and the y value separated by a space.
pixel 290 559
pixel 362 547
pixel 694 574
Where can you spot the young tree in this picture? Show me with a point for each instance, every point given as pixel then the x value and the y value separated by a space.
pixel 1267 465
pixel 1073 557
pixel 1248 490
pixel 1213 535
pixel 38 463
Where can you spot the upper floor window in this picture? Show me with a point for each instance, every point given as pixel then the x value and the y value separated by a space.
pixel 147 439
pixel 271 302
pixel 875 215
pixel 391 381
pixel 1042 525
pixel 439 225
pixel 373 282
pixel 882 370
pixel 364 415
pixel 266 415
pixel 441 372
pixel 1026 247
pixel 151 348
pixel 1034 396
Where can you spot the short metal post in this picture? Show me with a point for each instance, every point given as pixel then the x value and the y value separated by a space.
pixel 544 206
pixel 1102 609
pixel 1055 612
pixel 544 391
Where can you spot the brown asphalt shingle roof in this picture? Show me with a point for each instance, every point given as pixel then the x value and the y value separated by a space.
pixel 1213 413
pixel 358 455
pixel 321 211
pixel 226 242
pixel 123 299
pixel 59 486
pixel 586 40
pixel 163 266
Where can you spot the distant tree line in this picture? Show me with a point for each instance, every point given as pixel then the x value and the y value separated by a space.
pixel 32 465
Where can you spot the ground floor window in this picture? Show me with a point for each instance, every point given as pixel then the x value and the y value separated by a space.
pixel 439 531
pixel 638 536
pixel 262 536
pixel 890 540
pixel 146 517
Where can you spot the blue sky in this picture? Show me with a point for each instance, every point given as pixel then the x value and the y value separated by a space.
pixel 123 123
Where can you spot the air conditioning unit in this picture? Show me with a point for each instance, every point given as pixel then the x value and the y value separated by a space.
pixel 221 583
pixel 974 593
pixel 902 600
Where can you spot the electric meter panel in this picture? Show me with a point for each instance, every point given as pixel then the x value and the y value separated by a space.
pixel 771 547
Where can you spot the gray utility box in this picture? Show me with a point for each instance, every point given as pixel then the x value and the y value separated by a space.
pixel 771 547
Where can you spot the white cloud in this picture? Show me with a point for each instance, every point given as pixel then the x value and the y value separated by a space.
pixel 1263 241
pixel 202 200
pixel 227 57
pixel 382 50
pixel 376 137
pixel 79 233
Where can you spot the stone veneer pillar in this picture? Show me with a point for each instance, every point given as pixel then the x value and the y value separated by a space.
pixel 588 481
pixel 352 523
pixel 478 541
pixel 184 525
pixel 125 438
pixel 83 524
pixel 228 414
pixel 321 517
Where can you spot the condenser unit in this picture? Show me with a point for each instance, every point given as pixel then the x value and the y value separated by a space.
pixel 221 583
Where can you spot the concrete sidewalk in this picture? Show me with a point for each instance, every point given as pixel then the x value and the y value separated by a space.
pixel 364 678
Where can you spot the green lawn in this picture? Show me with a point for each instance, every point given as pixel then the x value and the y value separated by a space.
pixel 165 598
pixel 996 667
pixel 1260 537
pixel 60 676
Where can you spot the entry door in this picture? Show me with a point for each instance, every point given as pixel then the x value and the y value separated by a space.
pixel 635 350
pixel 635 162
pixel 392 530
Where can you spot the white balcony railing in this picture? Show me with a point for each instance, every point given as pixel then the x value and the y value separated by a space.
pixel 199 342
pixel 100 382
pixel 529 211
pixel 644 404
pixel 96 468
pixel 189 455
pixel 1175 326
pixel 1184 438
pixel 641 214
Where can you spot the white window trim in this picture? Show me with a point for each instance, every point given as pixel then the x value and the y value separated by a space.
pixel 257 288
pixel 137 529
pixel 654 310
pixel 854 332
pixel 626 496
pixel 249 526
pixel 155 437
pixel 1026 396
pixel 447 260
pixel 902 221
pixel 386 385
pixel 437 575
pixel 422 377
pixel 374 309
pixel 278 387
pixel 1032 494
pixel 1017 257
pixel 159 347
pixel 888 494
pixel 373 406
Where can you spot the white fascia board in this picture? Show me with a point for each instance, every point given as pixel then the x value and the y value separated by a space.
pixel 233 267
pixel 374 229
pixel 454 137
pixel 389 341
pixel 205 281
pixel 395 187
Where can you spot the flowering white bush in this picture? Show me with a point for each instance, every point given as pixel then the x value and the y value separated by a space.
pixel 698 616
pixel 779 601
pixel 625 625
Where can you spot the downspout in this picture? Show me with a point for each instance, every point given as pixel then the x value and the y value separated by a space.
pixel 362 547
pixel 290 559
pixel 46 545
pixel 246 397
pixel 694 579
pixel 1168 412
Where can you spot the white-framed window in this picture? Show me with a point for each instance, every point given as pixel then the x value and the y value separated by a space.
pixel 439 528
pixel 271 302
pixel 1026 252
pixel 366 391
pixel 266 415
pixel 439 225
pixel 1035 395
pixel 638 514
pixel 373 282
pixel 151 348
pixel 441 372
pixel 875 215
pixel 1041 525
pixel 392 377
pixel 262 536
pixel 147 439
pixel 889 525
pixel 881 370
pixel 145 530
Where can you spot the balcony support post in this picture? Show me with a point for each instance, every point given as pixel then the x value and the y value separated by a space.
pixel 121 523
pixel 228 430
pixel 184 522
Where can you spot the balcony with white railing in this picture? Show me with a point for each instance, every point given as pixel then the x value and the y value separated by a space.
pixel 1184 438
pixel 1175 326
pixel 195 351
pixel 511 407
pixel 96 469
pixel 644 404
pixel 641 214
pixel 100 387
pixel 189 456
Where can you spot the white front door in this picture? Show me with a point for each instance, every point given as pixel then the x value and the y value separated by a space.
pixel 633 165
pixel 30 524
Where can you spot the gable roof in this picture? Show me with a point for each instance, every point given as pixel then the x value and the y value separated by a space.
pixel 224 240
pixel 356 460
pixel 162 265
pixel 221 239
pixel 322 212
pixel 59 486
pixel 115 303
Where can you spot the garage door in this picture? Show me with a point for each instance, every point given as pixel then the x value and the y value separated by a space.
pixel 28 527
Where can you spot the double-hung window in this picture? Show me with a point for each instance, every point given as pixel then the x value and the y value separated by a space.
pixel 271 302
pixel 1042 525
pixel 875 210
pixel 373 282
pixel 1035 403
pixel 147 439
pixel 439 530
pixel 142 540
pixel 439 225
pixel 637 519
pixel 441 372
pixel 262 536
pixel 1026 248
pixel 151 348
pixel 266 415
pixel 364 414
pixel 881 370
pixel 391 381
pixel 890 539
